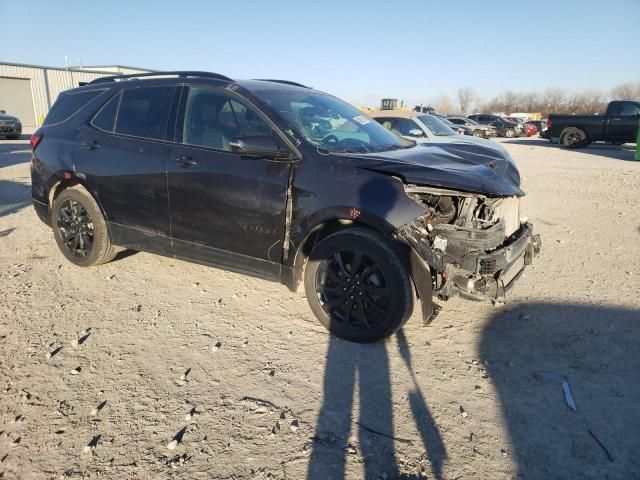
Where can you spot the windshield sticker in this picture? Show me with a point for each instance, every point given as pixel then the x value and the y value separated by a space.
pixel 361 120
pixel 293 136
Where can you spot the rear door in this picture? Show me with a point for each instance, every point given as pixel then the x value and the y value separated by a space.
pixel 123 155
pixel 226 209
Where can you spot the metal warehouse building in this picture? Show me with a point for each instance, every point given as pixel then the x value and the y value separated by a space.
pixel 28 91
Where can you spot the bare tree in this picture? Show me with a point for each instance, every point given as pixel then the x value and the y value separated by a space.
pixel 591 101
pixel 626 91
pixel 530 102
pixel 466 97
pixel 554 100
pixel 443 104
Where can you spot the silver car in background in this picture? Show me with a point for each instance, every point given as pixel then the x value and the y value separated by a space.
pixel 484 131
pixel 10 126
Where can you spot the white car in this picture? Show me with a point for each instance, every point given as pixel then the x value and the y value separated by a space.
pixel 424 128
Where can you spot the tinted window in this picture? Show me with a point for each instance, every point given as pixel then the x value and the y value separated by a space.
pixel 67 104
pixel 144 112
pixel 212 119
pixel 105 119
pixel 457 121
pixel 329 123
pixel 630 109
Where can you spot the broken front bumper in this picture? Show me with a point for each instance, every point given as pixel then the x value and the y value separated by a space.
pixel 465 261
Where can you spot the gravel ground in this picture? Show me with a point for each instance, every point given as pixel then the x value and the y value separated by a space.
pixel 101 369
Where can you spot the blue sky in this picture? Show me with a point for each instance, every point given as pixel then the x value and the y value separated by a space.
pixel 359 50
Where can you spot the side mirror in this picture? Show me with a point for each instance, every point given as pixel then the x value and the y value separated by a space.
pixel 416 132
pixel 261 146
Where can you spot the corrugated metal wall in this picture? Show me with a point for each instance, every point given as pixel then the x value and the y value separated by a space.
pixel 47 83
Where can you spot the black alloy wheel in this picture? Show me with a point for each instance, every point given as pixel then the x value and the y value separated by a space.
pixel 80 228
pixel 357 286
pixel 76 228
pixel 352 290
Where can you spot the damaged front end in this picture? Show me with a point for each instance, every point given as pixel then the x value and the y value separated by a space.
pixel 475 245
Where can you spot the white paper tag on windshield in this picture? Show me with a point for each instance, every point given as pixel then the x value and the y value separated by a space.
pixel 362 120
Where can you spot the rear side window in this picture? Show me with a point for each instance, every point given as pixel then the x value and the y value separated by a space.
pixel 105 119
pixel 144 112
pixel 68 104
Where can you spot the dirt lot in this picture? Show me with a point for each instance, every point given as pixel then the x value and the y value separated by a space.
pixel 101 368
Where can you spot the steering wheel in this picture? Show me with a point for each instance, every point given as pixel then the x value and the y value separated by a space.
pixel 330 141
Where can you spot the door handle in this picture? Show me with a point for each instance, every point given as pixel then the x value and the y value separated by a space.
pixel 92 145
pixel 186 161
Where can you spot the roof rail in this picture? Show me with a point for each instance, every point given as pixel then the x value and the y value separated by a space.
pixel 159 74
pixel 286 82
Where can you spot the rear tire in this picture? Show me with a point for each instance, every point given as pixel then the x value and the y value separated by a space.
pixel 80 229
pixel 573 138
pixel 357 286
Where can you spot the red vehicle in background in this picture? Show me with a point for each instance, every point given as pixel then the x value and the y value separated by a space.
pixel 529 129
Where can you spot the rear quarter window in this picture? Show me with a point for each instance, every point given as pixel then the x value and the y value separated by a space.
pixel 68 104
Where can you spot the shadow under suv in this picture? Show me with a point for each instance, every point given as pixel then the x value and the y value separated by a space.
pixel 280 181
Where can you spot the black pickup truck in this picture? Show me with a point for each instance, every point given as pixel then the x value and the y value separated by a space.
pixel 618 125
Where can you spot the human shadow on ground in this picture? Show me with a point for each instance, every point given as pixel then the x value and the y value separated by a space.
pixel 352 368
pixel 529 349
pixel 617 152
pixel 14 197
pixel 14 153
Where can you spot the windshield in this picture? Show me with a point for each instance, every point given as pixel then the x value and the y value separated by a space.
pixel 436 126
pixel 330 123
pixel 472 121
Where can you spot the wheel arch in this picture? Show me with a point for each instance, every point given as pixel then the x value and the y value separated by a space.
pixel 573 127
pixel 63 181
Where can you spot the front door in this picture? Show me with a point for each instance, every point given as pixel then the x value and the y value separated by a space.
pixel 226 209
pixel 123 155
pixel 623 122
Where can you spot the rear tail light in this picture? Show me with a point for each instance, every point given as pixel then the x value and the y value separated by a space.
pixel 36 138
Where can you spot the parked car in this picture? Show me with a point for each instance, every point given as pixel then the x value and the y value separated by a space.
pixel 10 126
pixel 484 131
pixel 277 180
pixel 529 129
pixel 539 124
pixel 619 125
pixel 427 129
pixel 461 129
pixel 504 127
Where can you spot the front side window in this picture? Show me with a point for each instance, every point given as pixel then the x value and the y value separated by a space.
pixel 212 119
pixel 403 126
pixel 329 123
pixel 630 109
pixel 144 112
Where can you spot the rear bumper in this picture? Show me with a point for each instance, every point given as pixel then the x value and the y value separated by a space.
pixel 42 209
pixel 10 130
pixel 470 268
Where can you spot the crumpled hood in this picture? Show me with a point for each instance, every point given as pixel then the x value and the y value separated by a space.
pixel 456 166
pixel 4 116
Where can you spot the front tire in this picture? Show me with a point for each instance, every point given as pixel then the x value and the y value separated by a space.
pixel 478 133
pixel 80 229
pixel 510 133
pixel 357 286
